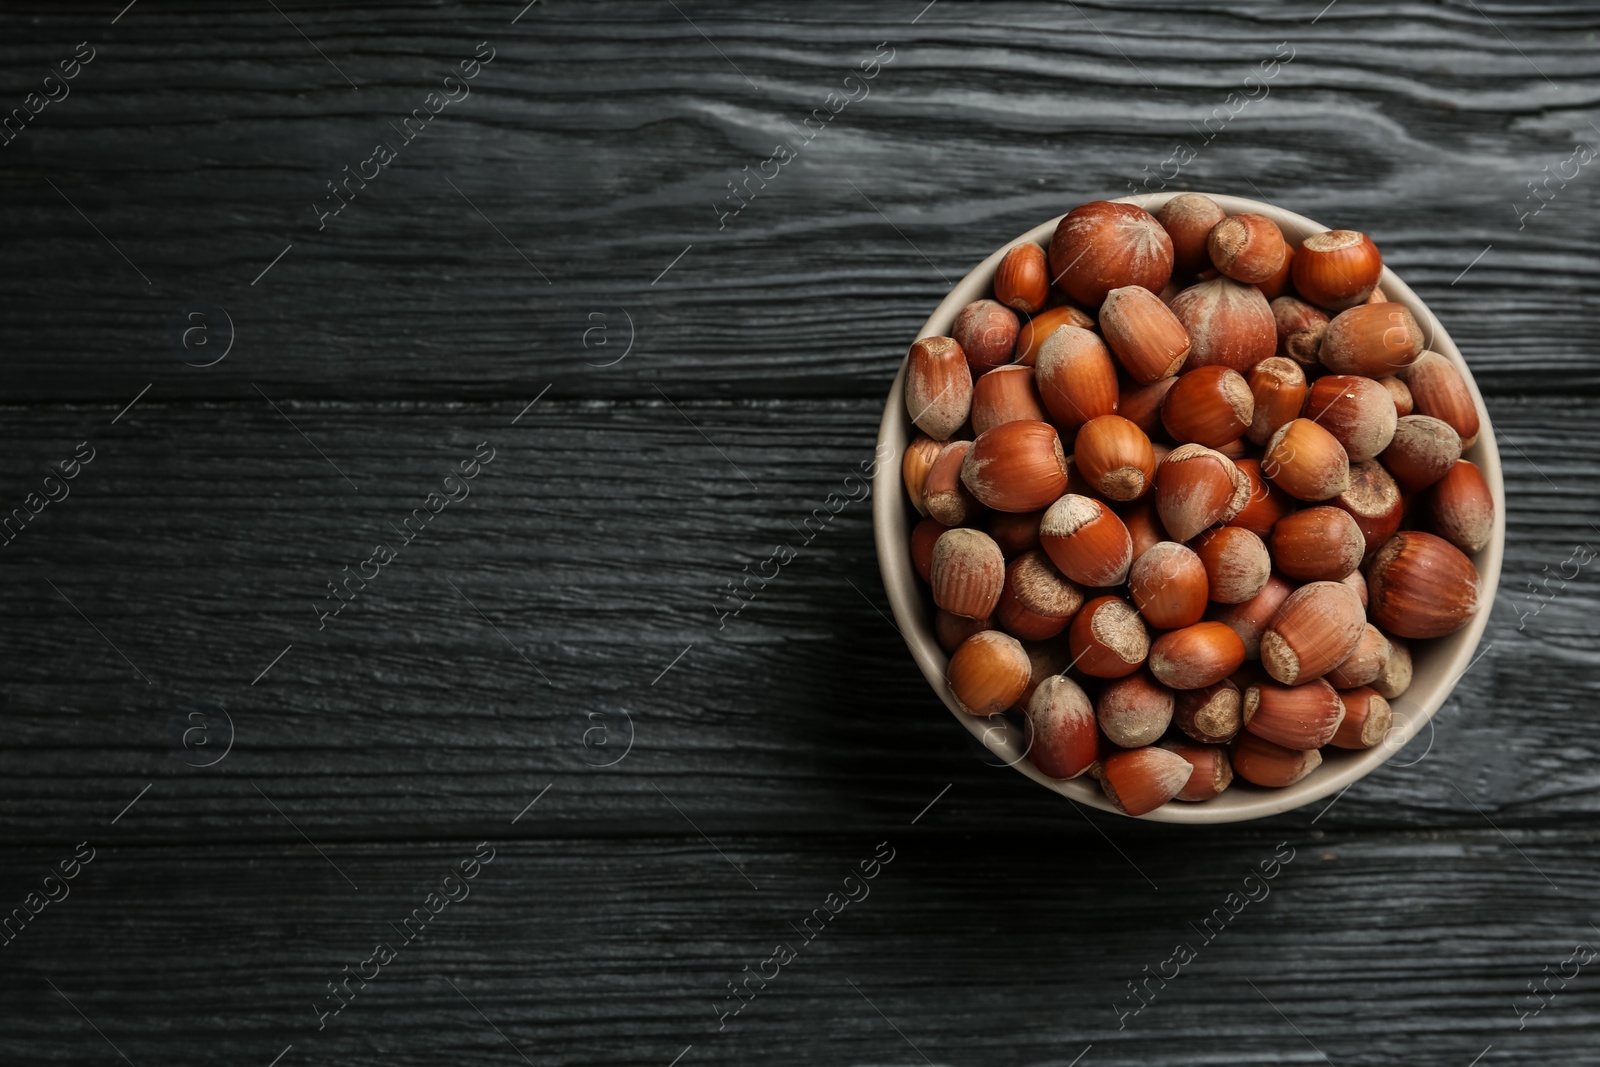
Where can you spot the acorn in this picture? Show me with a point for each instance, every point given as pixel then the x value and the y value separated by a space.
pixel 924 535
pixel 1188 219
pixel 946 496
pixel 1229 324
pixel 1294 716
pixel 1337 269
pixel 1423 451
pixel 1306 461
pixel 1365 664
pixel 1168 585
pixel 1321 544
pixel 1101 246
pixel 1357 411
pixel 1086 540
pixel 1367 718
pixel 987 331
pixel 1211 406
pixel 1462 507
pixel 1264 505
pixel 1108 639
pixel 1197 487
pixel 1371 339
pixel 967 573
pixel 1022 281
pixel 1277 392
pixel 1261 762
pixel 1061 737
pixel 1037 601
pixel 1315 629
pixel 1114 457
pixel 1373 500
pixel 1250 619
pixel 1076 377
pixel 1196 656
pixel 1005 394
pixel 1147 337
pixel 1437 389
pixel 1140 780
pixel 1135 710
pixel 938 386
pixel 988 672
pixel 1016 467
pixel 1420 585
pixel 1236 562
pixel 1211 714
pixel 1212 773
pixel 1045 323
pixel 1248 248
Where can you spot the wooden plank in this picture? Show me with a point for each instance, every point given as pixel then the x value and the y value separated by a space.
pixel 597 544
pixel 421 291
pixel 584 952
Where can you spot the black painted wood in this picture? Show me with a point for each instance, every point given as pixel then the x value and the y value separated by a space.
pixel 170 602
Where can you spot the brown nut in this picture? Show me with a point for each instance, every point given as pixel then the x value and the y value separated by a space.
pixel 1188 219
pixel 950 630
pixel 1236 561
pixel 1212 714
pixel 1061 736
pixel 1367 719
pixel 1373 499
pixel 1016 467
pixel 1196 656
pixel 987 331
pixel 1306 461
pixel 1014 533
pixel 1114 457
pixel 1168 585
pixel 1315 630
pixel 947 498
pixel 1321 544
pixel 1229 324
pixel 967 573
pixel 1135 710
pixel 1147 337
pixel 1037 601
pixel 1108 639
pixel 1423 451
pixel 938 387
pixel 1261 762
pixel 1462 507
pixel 914 468
pixel 1076 378
pixel 1086 540
pixel 1420 585
pixel 1248 248
pixel 1277 393
pixel 1371 339
pixel 1358 411
pixel 1141 404
pixel 1101 246
pixel 1197 487
pixel 1438 389
pixel 1045 323
pixel 1404 403
pixel 1250 619
pixel 1395 678
pixel 1022 281
pixel 1294 716
pixel 1005 394
pixel 1140 780
pixel 1144 525
pixel 924 536
pixel 1264 505
pixel 988 672
pixel 1300 328
pixel 1362 666
pixel 1211 406
pixel 1212 770
pixel 1337 269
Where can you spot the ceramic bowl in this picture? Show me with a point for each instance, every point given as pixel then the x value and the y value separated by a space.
pixel 1438 663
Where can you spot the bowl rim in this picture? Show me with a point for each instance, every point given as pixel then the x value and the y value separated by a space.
pixel 1447 658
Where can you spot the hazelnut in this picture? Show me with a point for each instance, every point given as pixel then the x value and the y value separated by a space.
pixel 1101 246
pixel 1135 710
pixel 1037 601
pixel 1061 737
pixel 1196 656
pixel 1022 281
pixel 1321 544
pixel 1277 392
pixel 1016 466
pixel 1362 666
pixel 1005 394
pixel 950 629
pixel 1315 630
pixel 1250 619
pixel 988 672
pixel 946 497
pixel 1373 499
pixel 1086 540
pixel 1423 450
pixel 1358 411
pixel 1371 339
pixel 1188 219
pixel 1114 457
pixel 1211 714
pixel 987 331
pixel 1300 328
pixel 1295 716
pixel 1229 324
pixel 923 537
pixel 1212 770
pixel 1437 389
pixel 938 387
pixel 1147 337
pixel 1045 323
pixel 1236 561
pixel 1337 269
pixel 967 573
pixel 1261 762
pixel 1076 377
pixel 1420 585
pixel 1462 507
pixel 1108 639
pixel 1210 406
pixel 1197 487
pixel 1306 461
pixel 1367 718
pixel 1168 585
pixel 1264 505
pixel 1139 781
pixel 1248 248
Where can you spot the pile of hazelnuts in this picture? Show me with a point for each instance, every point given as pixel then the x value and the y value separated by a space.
pixel 1189 491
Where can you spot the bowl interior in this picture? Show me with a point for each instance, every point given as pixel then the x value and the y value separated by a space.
pixel 1438 663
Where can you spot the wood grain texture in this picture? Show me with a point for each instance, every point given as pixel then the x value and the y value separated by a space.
pixel 570 199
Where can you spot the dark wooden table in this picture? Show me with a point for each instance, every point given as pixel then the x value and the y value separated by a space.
pixel 550 273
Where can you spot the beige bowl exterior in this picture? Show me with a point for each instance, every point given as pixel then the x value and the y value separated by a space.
pixel 1438 663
